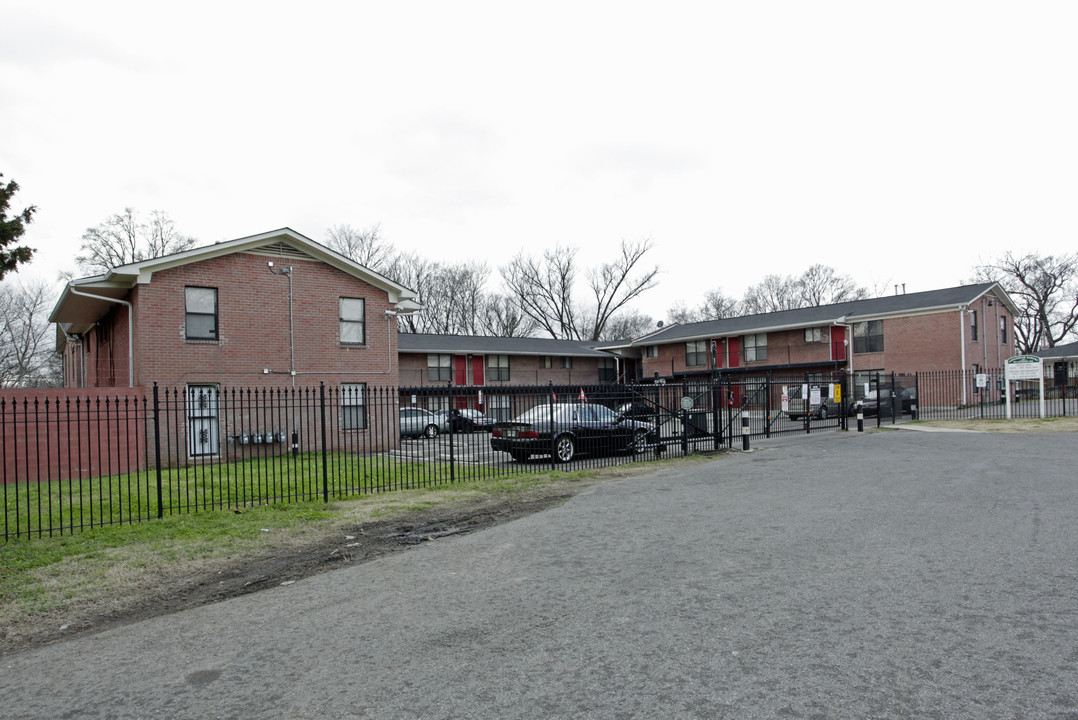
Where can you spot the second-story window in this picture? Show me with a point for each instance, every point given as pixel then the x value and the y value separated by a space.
pixel 498 367
pixel 566 363
pixel 696 353
pixel 814 335
pixel 651 351
pixel 608 370
pixel 756 347
pixel 973 326
pixel 868 336
pixel 353 327
pixel 200 304
pixel 439 368
pixel 1003 330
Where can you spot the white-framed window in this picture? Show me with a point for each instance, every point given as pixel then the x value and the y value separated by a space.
pixel 815 335
pixel 755 347
pixel 497 367
pixel 439 368
pixel 651 351
pixel 200 305
pixel 203 424
pixel 353 406
pixel 353 324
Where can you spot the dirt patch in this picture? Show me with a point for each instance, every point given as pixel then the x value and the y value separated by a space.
pixel 165 592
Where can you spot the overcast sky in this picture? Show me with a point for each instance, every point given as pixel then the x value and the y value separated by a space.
pixel 898 142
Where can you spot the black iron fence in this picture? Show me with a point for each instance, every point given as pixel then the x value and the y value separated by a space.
pixel 73 461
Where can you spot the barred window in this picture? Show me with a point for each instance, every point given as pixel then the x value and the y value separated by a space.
pixel 353 406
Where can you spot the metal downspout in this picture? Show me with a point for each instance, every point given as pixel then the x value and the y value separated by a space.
pixel 130 330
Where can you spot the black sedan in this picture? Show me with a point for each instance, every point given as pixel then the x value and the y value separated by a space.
pixel 566 429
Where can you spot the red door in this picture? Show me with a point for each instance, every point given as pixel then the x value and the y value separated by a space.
pixel 838 343
pixel 460 370
pixel 477 369
pixel 733 349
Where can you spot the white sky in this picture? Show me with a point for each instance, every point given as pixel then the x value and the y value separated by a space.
pixel 897 142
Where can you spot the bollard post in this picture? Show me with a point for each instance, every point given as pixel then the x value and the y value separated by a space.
pixel 745 433
pixel 860 421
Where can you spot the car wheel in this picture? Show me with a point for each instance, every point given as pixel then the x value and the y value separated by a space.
pixel 640 442
pixel 520 455
pixel 564 448
pixel 431 431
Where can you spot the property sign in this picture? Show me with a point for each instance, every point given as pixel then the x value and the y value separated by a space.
pixel 1025 367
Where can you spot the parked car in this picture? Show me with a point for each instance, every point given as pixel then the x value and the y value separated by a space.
pixel 797 404
pixel 639 410
pixel 873 404
pixel 567 429
pixel 465 420
pixel 417 422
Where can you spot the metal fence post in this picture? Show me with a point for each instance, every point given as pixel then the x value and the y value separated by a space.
pixel 325 451
pixel 449 419
pixel 157 452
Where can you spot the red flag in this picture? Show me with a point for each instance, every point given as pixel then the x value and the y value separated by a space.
pixel 583 397
pixel 555 395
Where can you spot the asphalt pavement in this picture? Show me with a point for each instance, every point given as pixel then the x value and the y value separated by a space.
pixel 837 575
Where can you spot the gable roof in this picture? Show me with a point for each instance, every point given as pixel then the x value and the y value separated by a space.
pixel 482 345
pixel 1059 351
pixel 840 313
pixel 77 313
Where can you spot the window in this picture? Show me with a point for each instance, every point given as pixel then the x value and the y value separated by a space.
pixel 973 325
pixel 354 406
pixel 651 351
pixel 439 368
pixel 1003 330
pixel 814 335
pixel 201 306
pixel 608 370
pixel 756 347
pixel 547 362
pixel 353 327
pixel 497 367
pixel 868 336
pixel 498 407
pixel 696 353
pixel 566 363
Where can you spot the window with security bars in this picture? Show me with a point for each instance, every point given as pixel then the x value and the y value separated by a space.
pixel 353 406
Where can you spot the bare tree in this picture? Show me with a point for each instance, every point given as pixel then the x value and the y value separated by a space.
pixel 365 246
pixel 1045 290
pixel 544 289
pixel 501 316
pixel 772 294
pixel 628 325
pixel 27 352
pixel 124 238
pixel 822 285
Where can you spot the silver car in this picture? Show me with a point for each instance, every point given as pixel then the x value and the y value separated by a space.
pixel 417 422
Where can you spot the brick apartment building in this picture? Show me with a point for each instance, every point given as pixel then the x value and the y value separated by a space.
pixel 967 327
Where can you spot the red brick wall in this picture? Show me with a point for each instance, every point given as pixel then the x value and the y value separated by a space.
pixel 253 327
pixel 523 370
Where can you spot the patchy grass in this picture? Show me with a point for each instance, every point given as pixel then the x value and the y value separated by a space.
pixel 48 585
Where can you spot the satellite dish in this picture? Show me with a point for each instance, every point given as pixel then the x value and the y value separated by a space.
pixel 660 324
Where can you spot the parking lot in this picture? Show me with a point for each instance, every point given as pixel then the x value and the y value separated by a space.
pixel 839 575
